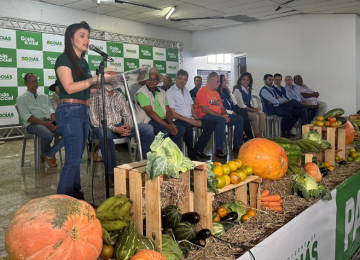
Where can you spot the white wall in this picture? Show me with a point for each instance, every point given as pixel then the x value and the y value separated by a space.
pixel 357 56
pixel 319 47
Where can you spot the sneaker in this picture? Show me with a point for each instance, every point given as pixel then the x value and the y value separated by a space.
pixel 48 160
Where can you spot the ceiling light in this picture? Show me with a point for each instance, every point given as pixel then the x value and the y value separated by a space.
pixel 284 4
pixel 98 2
pixel 171 11
pixel 137 4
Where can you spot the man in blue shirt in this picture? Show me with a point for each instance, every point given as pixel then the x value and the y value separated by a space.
pixel 295 94
pixel 183 110
pixel 167 83
pixel 197 82
pixel 276 105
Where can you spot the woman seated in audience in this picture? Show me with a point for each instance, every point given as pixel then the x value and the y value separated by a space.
pixel 229 102
pixel 242 93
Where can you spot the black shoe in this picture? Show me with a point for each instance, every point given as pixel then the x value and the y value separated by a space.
pixel 202 155
pixel 290 134
pixel 220 154
pixel 236 148
pixel 285 135
pixel 193 158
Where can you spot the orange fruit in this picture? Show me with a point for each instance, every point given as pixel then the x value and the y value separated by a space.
pixel 242 172
pixel 326 164
pixel 331 168
pixel 233 166
pixel 338 123
pixel 332 119
pixel 222 212
pixel 226 169
pixel 217 163
pixel 218 170
pixel 353 154
pixel 251 212
pixel 221 182
pixel 245 217
pixel 352 150
pixel 227 178
pixel 315 122
pixel 107 252
pixel 238 162
pixel 333 124
pixel 320 123
pixel 235 178
pixel 217 218
pixel 320 118
pixel 248 170
pixel 327 123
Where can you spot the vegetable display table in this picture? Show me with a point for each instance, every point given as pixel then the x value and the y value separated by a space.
pixel 130 180
pixel 331 133
pixel 203 201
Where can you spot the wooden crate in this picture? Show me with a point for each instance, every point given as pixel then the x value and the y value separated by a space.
pixel 331 136
pixel 130 179
pixel 203 198
pixel 354 117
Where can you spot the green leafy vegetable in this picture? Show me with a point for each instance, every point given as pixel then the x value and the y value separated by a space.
pixel 170 249
pixel 306 186
pixel 218 229
pixel 211 180
pixel 313 135
pixel 166 158
pixel 235 206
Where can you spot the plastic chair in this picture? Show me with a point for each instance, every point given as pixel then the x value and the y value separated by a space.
pixel 272 122
pixel 229 130
pixel 37 145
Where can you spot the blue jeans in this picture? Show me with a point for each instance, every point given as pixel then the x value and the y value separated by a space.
pixel 175 138
pixel 46 139
pixel 235 120
pixel 73 122
pixel 146 132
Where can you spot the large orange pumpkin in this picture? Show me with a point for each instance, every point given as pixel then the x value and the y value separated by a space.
pixel 147 254
pixel 56 227
pixel 267 159
pixel 350 133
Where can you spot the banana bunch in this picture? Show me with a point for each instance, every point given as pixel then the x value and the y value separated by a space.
pixel 293 168
pixel 113 214
pixel 309 146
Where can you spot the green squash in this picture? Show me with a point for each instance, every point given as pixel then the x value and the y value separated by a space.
pixel 143 242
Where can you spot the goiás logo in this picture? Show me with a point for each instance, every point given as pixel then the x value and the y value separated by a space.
pixel 170 67
pixel 5 58
pixel 6 77
pixel 146 65
pixel 157 53
pixel 30 59
pixel 146 53
pixel 51 77
pixel 159 66
pixel 307 250
pixel 5 38
pixel 29 41
pixel 131 51
pixel 172 55
pixel 54 43
pixel 5 96
pixel 6 115
pixel 131 65
pixel 116 64
pixel 52 60
pixel 115 49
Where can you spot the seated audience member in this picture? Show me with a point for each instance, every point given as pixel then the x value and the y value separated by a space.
pixel 310 96
pixel 294 94
pixel 209 106
pixel 167 83
pixel 133 88
pixel 230 104
pixel 275 105
pixel 119 122
pixel 281 92
pixel 152 108
pixel 242 93
pixel 38 116
pixel 183 110
pixel 55 97
pixel 197 82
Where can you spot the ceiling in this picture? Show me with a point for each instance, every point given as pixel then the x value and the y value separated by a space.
pixel 258 9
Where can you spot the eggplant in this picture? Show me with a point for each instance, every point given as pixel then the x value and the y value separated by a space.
pixel 230 217
pixel 342 163
pixel 324 172
pixel 192 217
pixel 203 234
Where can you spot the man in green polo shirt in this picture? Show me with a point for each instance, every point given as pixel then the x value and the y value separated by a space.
pixel 152 108
pixel 38 115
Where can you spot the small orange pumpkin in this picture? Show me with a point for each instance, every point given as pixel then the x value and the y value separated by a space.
pixel 267 159
pixel 313 170
pixel 147 254
pixel 55 227
pixel 350 133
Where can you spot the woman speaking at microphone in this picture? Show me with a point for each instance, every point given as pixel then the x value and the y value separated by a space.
pixel 72 116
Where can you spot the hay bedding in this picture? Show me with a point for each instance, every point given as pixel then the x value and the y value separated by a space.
pixel 256 229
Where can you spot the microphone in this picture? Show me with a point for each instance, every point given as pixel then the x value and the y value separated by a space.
pixel 93 48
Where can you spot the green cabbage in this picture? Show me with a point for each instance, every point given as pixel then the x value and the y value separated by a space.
pixel 170 249
pixel 218 229
pixel 166 158
pixel 235 206
pixel 313 135
pixel 306 186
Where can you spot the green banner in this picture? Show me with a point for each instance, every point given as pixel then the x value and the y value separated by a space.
pixel 115 49
pixel 348 218
pixel 160 65
pixel 8 96
pixel 172 55
pixel 50 59
pixel 23 71
pixel 130 64
pixel 145 52
pixel 8 58
pixel 29 40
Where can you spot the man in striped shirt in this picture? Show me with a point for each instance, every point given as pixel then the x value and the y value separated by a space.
pixel 119 121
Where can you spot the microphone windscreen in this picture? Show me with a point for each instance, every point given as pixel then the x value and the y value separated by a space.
pixel 92 47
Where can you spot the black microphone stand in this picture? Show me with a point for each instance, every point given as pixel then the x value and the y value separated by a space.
pixel 104 123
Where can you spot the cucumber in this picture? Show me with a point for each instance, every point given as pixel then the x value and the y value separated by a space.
pixel 341 119
pixel 334 113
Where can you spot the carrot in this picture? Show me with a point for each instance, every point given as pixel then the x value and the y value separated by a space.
pixel 278 209
pixel 271 204
pixel 281 201
pixel 271 198
pixel 265 193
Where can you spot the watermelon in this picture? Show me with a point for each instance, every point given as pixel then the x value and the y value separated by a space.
pixel 171 216
pixel 218 229
pixel 185 231
pixel 143 242
pixel 292 150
